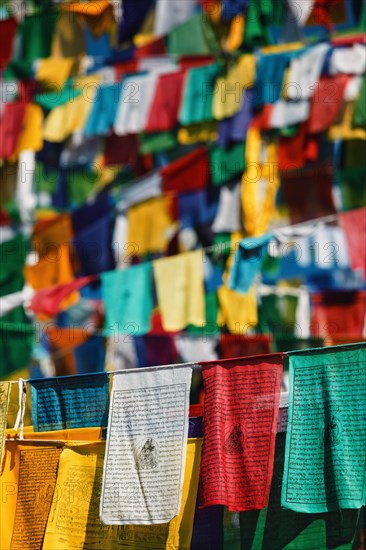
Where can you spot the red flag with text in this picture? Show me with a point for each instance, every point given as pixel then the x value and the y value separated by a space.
pixel 240 420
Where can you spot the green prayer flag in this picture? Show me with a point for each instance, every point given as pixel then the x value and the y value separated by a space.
pixel 289 131
pixel 37 33
pixel 362 21
pixel 261 13
pixel 16 344
pixel 351 183
pixel 18 68
pixel 194 36
pixel 226 163
pixel 12 258
pixel 221 249
pixel 277 314
pixel 326 438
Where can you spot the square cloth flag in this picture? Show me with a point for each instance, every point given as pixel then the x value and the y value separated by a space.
pixel 128 300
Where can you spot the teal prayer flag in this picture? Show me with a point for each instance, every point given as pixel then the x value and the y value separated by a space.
pixel 247 263
pixel 326 438
pixel 128 300
pixel 198 93
pixel 70 402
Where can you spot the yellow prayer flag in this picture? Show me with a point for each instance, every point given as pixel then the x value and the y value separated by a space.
pixel 228 91
pixel 27 485
pixel 54 71
pixel 260 178
pixel 236 33
pixel 74 517
pixel 65 119
pixel 150 226
pixel 31 136
pixel 180 290
pixel 238 311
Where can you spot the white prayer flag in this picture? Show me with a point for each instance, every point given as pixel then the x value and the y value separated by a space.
pixel 146 446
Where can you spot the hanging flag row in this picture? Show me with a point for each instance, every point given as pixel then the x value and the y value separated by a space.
pixel 147 468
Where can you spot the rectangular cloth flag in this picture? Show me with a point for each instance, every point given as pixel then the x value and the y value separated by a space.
pixel 82 468
pixel 127 296
pixel 326 439
pixel 338 313
pixel 240 422
pixel 146 446
pixel 70 402
pixel 16 344
pixel 248 259
pixel 27 484
pixel 180 290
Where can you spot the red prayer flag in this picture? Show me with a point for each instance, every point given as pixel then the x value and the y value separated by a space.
pixel 292 150
pixel 163 113
pixel 326 102
pixel 240 416
pixel 8 29
pixel 262 121
pixel 48 300
pixel 338 313
pixel 354 227
pixel 11 125
pixel 308 193
pixel 188 173
pixel 121 150
pixel 322 15
pixel 348 40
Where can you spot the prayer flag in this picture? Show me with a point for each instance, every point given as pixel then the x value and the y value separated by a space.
pixel 146 446
pixel 240 423
pixel 326 438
